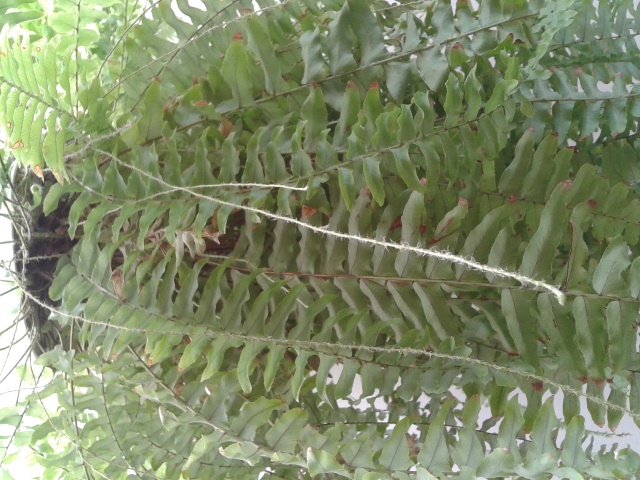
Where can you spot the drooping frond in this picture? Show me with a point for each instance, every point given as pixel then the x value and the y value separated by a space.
pixel 278 204
pixel 34 114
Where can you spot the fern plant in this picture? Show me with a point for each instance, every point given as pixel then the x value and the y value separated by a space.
pixel 333 239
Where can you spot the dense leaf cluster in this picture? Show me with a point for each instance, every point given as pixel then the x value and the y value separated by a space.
pixel 436 203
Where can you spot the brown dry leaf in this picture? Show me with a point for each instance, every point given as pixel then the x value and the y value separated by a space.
pixel 225 127
pixel 37 169
pixel 307 211
pixel 58 176
pixel 211 235
pixel 414 445
pixel 178 388
pixel 117 281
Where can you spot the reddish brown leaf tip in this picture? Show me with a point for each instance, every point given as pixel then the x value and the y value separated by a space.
pixel 567 184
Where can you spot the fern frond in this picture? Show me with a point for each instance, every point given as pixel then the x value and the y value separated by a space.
pixel 34 116
pixel 289 216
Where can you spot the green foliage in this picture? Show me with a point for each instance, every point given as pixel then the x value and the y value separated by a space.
pixel 273 206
